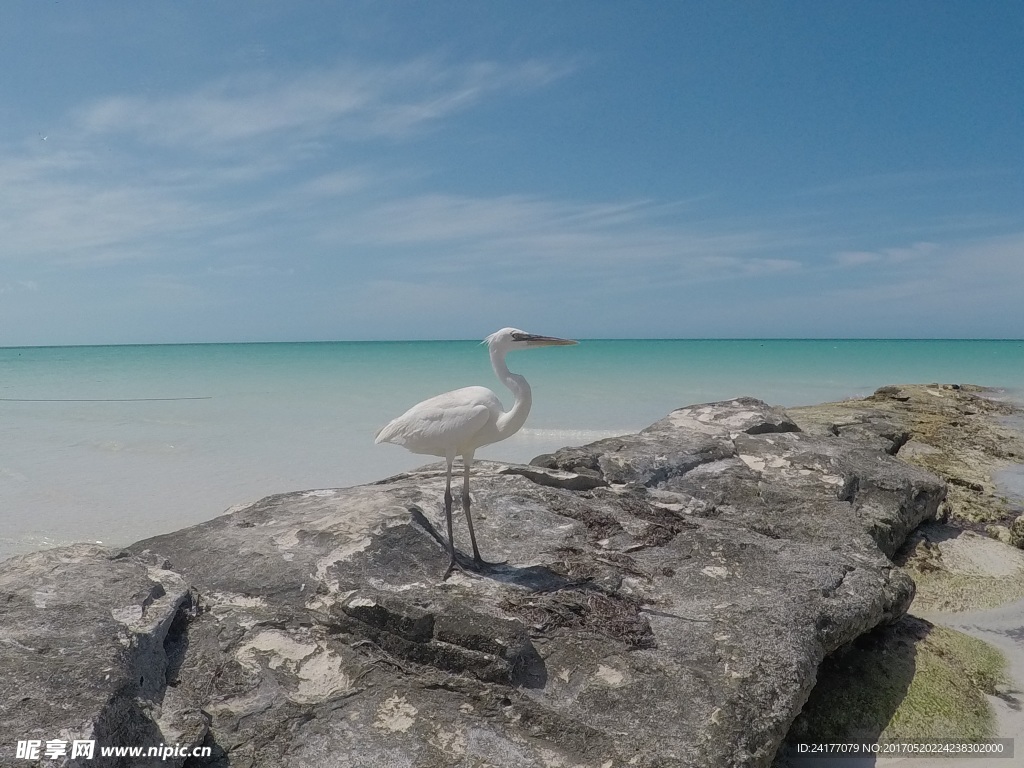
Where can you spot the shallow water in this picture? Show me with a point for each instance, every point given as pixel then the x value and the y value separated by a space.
pixel 1010 483
pixel 119 443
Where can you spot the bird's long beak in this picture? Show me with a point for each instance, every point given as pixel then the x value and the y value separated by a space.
pixel 543 341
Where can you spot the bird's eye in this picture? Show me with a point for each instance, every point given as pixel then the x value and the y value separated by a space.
pixel 520 336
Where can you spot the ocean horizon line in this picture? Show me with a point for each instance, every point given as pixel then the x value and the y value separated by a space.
pixel 309 342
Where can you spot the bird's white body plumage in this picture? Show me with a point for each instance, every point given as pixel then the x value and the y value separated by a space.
pixel 448 424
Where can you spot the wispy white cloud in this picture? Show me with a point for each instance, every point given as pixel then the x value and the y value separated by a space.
pixel 334 184
pixel 12 286
pixel 136 177
pixel 873 184
pixel 856 258
pixel 525 237
pixel 55 209
pixel 890 256
pixel 945 284
pixel 358 101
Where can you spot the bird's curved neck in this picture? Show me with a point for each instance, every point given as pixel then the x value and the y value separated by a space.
pixel 512 420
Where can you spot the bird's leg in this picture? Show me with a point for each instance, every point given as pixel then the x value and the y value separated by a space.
pixel 467 462
pixel 465 507
pixel 448 518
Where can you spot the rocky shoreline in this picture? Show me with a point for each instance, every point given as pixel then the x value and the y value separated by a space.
pixel 953 667
pixel 668 600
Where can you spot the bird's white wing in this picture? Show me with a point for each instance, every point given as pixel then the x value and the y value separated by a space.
pixel 443 425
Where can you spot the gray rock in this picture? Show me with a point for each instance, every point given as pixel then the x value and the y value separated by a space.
pixel 667 599
pixel 682 441
pixel 89 642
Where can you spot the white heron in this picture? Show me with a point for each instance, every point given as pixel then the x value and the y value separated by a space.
pixel 458 422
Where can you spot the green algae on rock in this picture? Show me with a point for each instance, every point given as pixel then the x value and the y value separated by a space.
pixel 909 681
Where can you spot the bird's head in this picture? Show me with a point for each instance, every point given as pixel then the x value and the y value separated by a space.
pixel 509 339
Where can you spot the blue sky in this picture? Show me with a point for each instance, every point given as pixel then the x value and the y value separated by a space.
pixel 264 171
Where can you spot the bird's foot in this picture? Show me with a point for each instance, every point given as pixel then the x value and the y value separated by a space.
pixel 451 567
pixel 458 563
pixel 476 565
pixel 480 564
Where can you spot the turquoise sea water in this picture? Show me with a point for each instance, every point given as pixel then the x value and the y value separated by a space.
pixel 113 444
